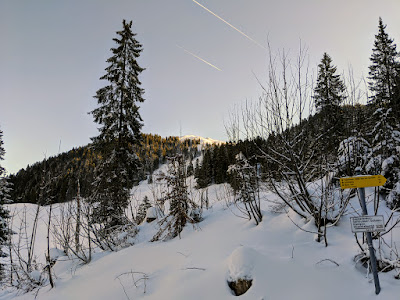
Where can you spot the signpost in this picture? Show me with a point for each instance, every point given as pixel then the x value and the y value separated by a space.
pixel 362 181
pixel 366 223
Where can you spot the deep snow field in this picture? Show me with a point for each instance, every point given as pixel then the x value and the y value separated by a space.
pixel 284 261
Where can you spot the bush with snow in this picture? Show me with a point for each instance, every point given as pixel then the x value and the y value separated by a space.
pixel 352 153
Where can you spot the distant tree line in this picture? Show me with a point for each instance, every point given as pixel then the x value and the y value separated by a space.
pixel 64 170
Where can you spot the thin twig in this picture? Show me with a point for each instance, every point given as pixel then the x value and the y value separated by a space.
pixel 328 259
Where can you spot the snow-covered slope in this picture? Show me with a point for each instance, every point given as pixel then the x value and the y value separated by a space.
pixel 284 261
pixel 203 141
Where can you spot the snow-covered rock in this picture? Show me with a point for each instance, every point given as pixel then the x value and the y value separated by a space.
pixel 241 264
pixel 152 214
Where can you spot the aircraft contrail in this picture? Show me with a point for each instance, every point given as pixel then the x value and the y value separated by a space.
pixel 199 58
pixel 227 23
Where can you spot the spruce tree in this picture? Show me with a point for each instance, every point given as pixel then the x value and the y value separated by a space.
pixel 384 84
pixel 141 214
pixel 178 194
pixel 247 190
pixel 329 91
pixel 118 115
pixel 4 199
pixel 384 70
pixel 329 94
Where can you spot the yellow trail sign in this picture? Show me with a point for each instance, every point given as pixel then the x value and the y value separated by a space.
pixel 362 181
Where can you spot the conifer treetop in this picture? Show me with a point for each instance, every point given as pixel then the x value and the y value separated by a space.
pixel 118 112
pixel 2 153
pixel 329 90
pixel 384 69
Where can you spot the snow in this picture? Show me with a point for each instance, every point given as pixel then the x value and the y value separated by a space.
pixel 203 141
pixel 153 213
pixel 387 163
pixel 56 253
pixel 36 275
pixel 241 263
pixel 284 261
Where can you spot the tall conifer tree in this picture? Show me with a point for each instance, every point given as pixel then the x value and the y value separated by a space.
pixel 329 94
pixel 384 70
pixel 384 84
pixel 4 199
pixel 118 115
pixel 384 104
pixel 329 91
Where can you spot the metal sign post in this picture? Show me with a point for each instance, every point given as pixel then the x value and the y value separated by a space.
pixel 370 245
pixel 360 182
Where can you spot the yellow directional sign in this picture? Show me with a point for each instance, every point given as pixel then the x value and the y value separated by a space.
pixel 362 181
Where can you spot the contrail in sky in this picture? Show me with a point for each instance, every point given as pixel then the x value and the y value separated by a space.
pixel 203 60
pixel 227 23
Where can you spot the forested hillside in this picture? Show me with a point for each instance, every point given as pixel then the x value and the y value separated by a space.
pixel 59 175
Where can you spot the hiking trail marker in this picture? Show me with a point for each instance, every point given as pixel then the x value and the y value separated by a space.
pixel 362 181
pixel 366 224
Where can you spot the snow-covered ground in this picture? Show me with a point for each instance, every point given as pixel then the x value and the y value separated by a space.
pixel 284 261
pixel 203 141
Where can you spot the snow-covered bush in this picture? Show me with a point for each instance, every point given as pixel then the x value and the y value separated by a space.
pixel 141 213
pixel 330 198
pixel 196 214
pixel 180 205
pixel 352 153
pixel 390 169
pixel 386 252
pixel 247 188
pixel 393 199
pixel 115 238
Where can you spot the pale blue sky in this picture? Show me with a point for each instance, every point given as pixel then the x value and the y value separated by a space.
pixel 52 54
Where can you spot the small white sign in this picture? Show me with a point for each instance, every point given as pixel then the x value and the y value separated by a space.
pixel 367 224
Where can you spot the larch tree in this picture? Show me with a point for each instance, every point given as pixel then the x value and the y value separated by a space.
pixel 121 123
pixel 4 199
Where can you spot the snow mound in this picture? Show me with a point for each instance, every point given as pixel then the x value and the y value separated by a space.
pixel 56 253
pixel 241 263
pixel 153 213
